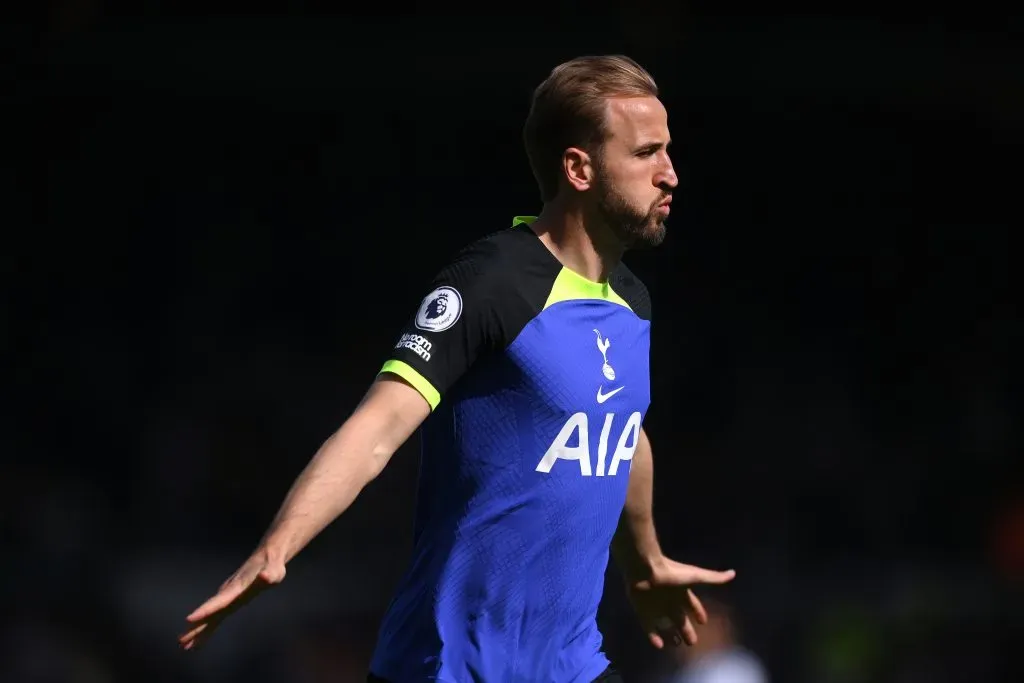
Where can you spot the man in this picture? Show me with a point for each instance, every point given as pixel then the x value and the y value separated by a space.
pixel 527 365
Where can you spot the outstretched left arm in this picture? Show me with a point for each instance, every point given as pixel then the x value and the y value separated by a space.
pixel 635 545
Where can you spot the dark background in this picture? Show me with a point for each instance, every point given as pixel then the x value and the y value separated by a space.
pixel 218 218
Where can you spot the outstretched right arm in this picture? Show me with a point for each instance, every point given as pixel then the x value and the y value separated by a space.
pixel 349 460
pixel 454 325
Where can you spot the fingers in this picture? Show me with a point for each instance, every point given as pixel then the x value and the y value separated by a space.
pixel 233 588
pixel 199 634
pixel 190 640
pixel 688 632
pixel 711 576
pixel 699 613
pixel 254 576
pixel 672 631
pixel 679 630
pixel 215 604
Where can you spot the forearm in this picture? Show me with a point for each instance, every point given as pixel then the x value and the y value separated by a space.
pixel 635 545
pixel 328 485
pixel 349 460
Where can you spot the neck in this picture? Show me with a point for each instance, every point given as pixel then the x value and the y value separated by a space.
pixel 580 244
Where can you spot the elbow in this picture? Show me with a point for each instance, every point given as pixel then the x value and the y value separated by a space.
pixel 382 423
pixel 380 456
pixel 356 454
pixel 379 451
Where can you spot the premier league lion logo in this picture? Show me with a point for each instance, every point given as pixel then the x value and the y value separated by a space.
pixel 439 310
pixel 437 307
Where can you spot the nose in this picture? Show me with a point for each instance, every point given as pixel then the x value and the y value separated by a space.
pixel 667 179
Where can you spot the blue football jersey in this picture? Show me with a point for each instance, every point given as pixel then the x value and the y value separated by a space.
pixel 539 381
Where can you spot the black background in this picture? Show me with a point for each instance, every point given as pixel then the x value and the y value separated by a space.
pixel 218 217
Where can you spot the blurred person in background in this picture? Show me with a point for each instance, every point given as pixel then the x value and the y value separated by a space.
pixel 717 656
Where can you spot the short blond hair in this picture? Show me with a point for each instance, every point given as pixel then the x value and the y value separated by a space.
pixel 568 110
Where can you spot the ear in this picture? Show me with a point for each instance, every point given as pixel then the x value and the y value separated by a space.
pixel 578 169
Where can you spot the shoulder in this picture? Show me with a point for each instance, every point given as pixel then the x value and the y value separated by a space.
pixel 631 288
pixel 501 255
pixel 499 281
pixel 508 263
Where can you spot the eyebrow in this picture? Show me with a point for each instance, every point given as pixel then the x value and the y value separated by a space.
pixel 653 146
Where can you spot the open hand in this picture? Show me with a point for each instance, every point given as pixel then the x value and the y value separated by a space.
pixel 257 574
pixel 666 604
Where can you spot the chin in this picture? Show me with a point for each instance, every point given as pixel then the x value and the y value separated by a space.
pixel 652 236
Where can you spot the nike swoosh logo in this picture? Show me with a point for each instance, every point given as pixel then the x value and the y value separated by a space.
pixel 601 397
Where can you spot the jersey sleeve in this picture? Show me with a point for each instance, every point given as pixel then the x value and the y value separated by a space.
pixel 457 322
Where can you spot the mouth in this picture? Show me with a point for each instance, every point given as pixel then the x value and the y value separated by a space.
pixel 665 206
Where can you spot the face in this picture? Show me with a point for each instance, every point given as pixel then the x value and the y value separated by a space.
pixel 633 176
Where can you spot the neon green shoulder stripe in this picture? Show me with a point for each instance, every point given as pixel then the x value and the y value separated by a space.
pixel 420 383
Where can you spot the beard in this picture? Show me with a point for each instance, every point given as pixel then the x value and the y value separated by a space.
pixel 636 227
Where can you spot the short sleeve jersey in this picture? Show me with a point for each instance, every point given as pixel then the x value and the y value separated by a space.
pixel 538 380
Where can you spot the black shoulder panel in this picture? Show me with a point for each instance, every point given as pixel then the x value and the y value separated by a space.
pixel 629 287
pixel 476 305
